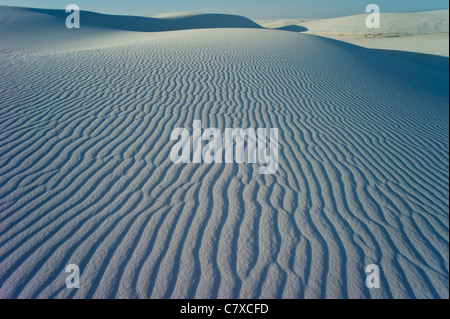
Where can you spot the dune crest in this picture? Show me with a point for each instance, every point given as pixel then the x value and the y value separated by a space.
pixel 166 22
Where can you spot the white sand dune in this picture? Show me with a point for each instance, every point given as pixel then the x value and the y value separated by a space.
pixel 18 26
pixel 86 177
pixel 421 32
pixel 427 22
pixel 167 22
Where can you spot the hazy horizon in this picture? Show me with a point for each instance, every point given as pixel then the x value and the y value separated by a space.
pixel 263 9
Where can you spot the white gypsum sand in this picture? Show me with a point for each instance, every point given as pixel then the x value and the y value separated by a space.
pixel 86 176
pixel 420 32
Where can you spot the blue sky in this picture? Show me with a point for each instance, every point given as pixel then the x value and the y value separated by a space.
pixel 255 9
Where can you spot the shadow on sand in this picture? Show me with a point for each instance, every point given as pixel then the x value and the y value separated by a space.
pixel 293 28
pixel 436 62
pixel 430 74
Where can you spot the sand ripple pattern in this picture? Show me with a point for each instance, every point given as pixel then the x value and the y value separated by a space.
pixel 86 177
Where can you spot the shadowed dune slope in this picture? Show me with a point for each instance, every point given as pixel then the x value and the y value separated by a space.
pixel 149 24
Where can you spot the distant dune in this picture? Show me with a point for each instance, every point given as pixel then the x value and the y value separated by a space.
pixel 420 32
pixel 86 177
pixel 151 24
pixel 391 23
pixel 25 28
pixel 427 22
